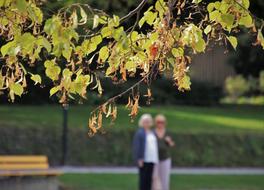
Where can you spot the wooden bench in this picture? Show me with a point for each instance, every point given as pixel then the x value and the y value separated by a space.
pixel 26 173
pixel 25 166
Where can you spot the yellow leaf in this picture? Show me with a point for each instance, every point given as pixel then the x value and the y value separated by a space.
pixel 208 29
pixel 233 41
pixel 109 111
pixel 95 21
pixel 17 89
pixel 36 78
pixel 103 54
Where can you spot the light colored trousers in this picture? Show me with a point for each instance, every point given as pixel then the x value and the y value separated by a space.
pixel 161 175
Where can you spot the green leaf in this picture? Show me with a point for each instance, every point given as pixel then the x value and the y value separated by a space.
pixel 106 31
pixel 66 52
pixel 154 36
pixel 141 22
pixel 52 25
pixel 5 49
pixel 134 35
pixel 91 45
pixel 17 89
pixel 45 43
pixel 210 7
pixel 116 20
pixel 96 39
pixel 35 13
pixel 160 6
pixel 52 71
pixel 245 3
pixel 150 17
pixel 177 52
pixel 246 21
pixel 185 83
pixel 214 15
pixel 103 20
pixel 67 73
pixel 103 54
pixel 36 78
pixel 48 26
pixel 233 41
pixel 200 45
pixel 224 7
pixel 54 90
pixel 208 29
pixel 21 5
pixel 109 71
pixel 227 19
pixel 49 63
pixel 66 81
pixel 131 66
pixel 118 33
pixel 193 36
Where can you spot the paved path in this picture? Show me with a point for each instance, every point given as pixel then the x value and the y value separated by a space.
pixel 194 171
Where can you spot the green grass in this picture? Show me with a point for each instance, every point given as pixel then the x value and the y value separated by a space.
pixel 181 119
pixel 178 182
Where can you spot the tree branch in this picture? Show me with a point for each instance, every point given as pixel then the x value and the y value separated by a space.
pixel 131 13
pixel 112 99
pixel 245 9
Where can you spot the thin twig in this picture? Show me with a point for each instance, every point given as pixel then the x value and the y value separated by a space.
pixel 135 11
pixel 245 9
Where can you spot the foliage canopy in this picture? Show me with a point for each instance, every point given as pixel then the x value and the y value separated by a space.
pixel 80 45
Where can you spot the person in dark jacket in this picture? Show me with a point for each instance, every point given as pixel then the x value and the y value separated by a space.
pixel 145 150
pixel 161 177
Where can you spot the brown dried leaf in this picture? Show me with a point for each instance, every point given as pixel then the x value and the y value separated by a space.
pixel 149 94
pixel 103 109
pixel 92 124
pixel 123 73
pixel 130 103
pixel 114 113
pixel 134 110
pixel 99 120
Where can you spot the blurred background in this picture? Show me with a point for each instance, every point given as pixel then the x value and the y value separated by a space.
pixel 219 123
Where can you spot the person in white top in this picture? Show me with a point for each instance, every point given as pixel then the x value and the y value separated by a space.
pixel 145 149
pixel 151 148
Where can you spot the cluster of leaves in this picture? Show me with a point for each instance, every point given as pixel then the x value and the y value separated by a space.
pixel 75 62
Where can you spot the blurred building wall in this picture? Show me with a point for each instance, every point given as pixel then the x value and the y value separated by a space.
pixel 211 67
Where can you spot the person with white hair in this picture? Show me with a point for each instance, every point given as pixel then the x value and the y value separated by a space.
pixel 145 150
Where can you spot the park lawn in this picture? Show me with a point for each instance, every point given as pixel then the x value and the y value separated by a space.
pixel 181 119
pixel 178 182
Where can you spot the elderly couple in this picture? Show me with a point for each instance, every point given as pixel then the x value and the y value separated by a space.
pixel 151 153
